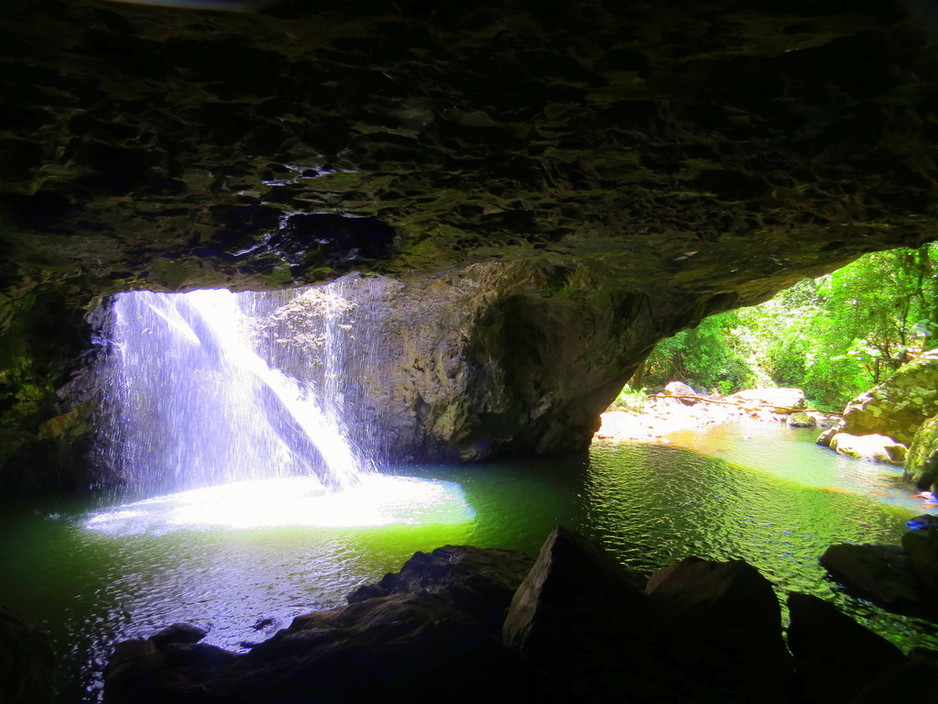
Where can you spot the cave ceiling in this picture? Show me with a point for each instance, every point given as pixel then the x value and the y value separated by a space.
pixel 720 150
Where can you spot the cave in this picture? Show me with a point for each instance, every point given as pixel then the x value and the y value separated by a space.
pixel 530 194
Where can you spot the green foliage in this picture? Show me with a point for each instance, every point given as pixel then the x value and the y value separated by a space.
pixel 711 356
pixel 834 336
pixel 630 399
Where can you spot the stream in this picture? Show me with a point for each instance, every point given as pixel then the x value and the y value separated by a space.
pixel 241 560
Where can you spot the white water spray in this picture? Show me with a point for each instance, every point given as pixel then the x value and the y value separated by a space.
pixel 193 400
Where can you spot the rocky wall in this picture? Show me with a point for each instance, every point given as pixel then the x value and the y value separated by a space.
pixel 688 156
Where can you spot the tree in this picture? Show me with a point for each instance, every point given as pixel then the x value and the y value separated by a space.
pixel 834 336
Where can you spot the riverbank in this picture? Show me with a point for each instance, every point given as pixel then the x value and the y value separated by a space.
pixel 660 415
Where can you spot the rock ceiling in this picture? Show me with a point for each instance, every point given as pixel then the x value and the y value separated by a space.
pixel 614 170
pixel 720 148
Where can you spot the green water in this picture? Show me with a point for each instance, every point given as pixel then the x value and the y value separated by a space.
pixel 649 505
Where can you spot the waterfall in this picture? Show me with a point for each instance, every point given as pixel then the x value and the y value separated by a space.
pixel 213 387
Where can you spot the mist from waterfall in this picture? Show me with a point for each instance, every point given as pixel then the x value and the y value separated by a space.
pixel 213 387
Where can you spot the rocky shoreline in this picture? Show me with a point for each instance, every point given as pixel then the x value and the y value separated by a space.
pixel 656 417
pixel 470 624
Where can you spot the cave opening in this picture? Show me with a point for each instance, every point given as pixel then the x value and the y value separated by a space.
pixel 229 384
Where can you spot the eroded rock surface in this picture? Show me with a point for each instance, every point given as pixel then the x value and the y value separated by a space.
pixel 684 158
pixel 895 408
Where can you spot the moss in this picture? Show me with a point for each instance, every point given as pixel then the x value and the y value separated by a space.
pixel 921 465
pixel 280 276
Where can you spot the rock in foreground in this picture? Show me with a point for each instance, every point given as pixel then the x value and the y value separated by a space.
pixel 579 628
pixel 901 579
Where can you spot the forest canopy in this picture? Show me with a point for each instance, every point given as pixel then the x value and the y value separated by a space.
pixel 834 336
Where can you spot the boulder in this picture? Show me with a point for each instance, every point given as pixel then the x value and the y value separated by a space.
pixel 921 463
pixel 834 656
pixel 897 407
pixel 27 663
pixel 912 682
pixel 679 388
pixel 800 420
pixel 585 623
pixel 399 648
pixel 920 542
pixel 723 626
pixel 178 633
pixel 876 448
pixel 881 573
pixel 479 582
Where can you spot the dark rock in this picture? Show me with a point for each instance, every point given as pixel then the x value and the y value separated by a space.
pixel 399 648
pixel 178 633
pixel 835 657
pixel 724 626
pixel 585 623
pixel 920 543
pixel 910 683
pixel 479 582
pixel 580 628
pixel 27 663
pixel 881 573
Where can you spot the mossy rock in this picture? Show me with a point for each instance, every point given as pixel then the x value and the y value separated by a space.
pixel 899 405
pixel 921 465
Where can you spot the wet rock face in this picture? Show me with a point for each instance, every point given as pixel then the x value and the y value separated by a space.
pixel 702 155
pixel 493 358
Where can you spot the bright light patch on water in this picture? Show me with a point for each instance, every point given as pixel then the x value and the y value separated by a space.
pixel 379 500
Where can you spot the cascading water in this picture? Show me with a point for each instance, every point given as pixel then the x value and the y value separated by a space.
pixel 197 395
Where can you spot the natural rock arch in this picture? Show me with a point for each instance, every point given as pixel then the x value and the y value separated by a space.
pixel 614 171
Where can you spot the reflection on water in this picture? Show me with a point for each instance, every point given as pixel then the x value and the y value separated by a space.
pixel 378 500
pixel 791 453
pixel 92 577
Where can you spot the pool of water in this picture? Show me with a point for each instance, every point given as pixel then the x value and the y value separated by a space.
pixel 94 574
